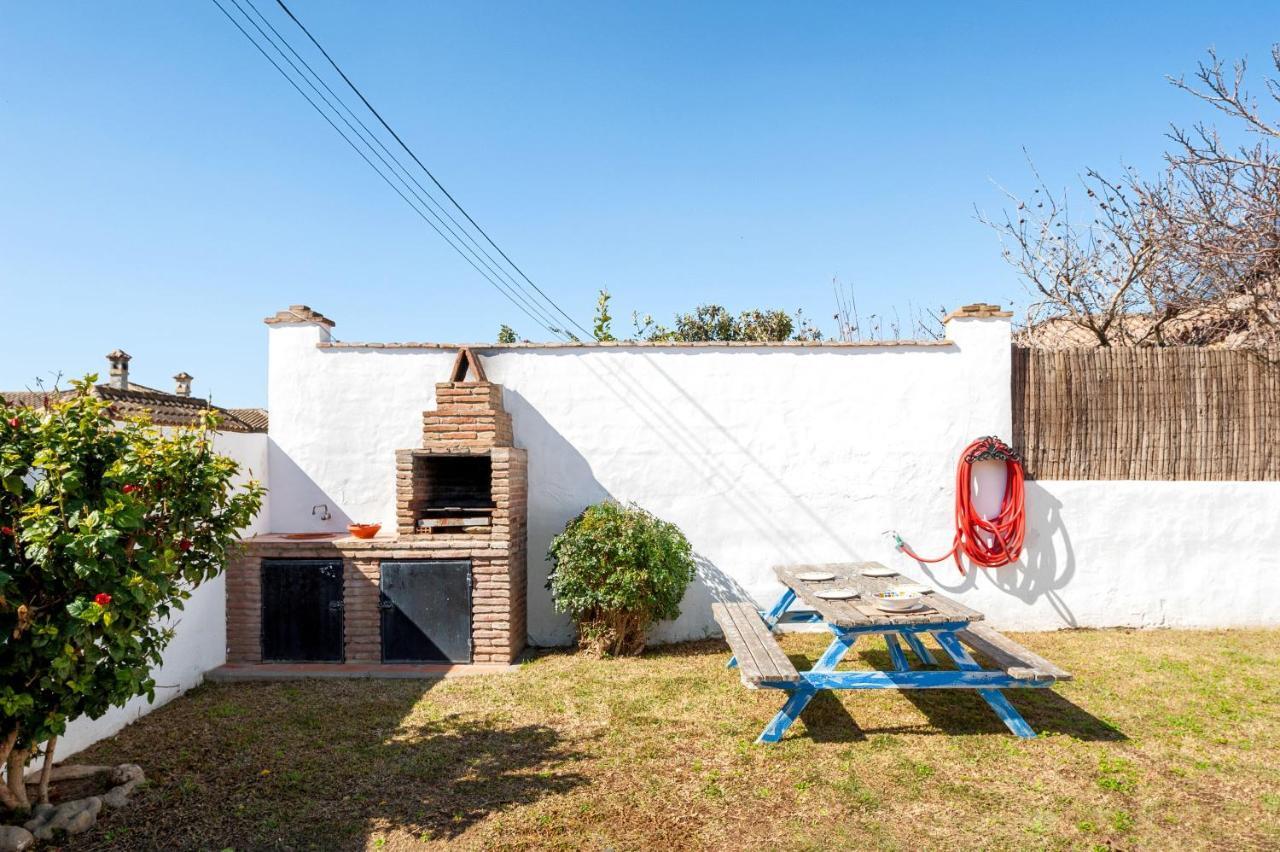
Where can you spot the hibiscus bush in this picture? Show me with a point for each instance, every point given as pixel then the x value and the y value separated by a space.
pixel 105 530
pixel 616 570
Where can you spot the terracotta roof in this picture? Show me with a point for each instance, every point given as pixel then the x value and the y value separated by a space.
pixel 254 418
pixel 163 409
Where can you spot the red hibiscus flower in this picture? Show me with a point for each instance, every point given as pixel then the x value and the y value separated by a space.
pixel 6 530
pixel 102 598
pixel 13 421
pixel 129 489
pixel 184 545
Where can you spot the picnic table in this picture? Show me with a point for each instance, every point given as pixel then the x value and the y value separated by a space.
pixel 954 627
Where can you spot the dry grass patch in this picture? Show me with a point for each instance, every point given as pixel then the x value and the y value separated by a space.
pixel 1166 738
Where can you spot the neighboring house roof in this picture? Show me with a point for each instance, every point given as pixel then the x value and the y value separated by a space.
pixel 161 407
pixel 254 418
pixel 1233 322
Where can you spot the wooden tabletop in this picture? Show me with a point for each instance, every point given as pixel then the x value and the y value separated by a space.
pixel 847 613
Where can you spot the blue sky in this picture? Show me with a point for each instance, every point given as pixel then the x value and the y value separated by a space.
pixel 163 189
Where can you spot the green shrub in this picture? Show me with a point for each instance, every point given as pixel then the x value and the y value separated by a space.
pixel 616 570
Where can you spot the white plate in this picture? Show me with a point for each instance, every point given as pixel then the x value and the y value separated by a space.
pixel 879 572
pixel 837 594
pixel 913 589
pixel 886 609
pixel 815 576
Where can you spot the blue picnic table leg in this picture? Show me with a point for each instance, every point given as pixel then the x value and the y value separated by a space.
pixel 994 697
pixel 770 618
pixel 918 648
pixel 802 694
pixel 896 653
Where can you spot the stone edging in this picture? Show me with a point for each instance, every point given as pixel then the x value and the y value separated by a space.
pixel 77 815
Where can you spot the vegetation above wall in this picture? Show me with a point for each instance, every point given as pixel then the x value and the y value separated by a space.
pixel 704 323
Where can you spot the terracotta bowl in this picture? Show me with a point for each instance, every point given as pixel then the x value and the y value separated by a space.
pixel 364 530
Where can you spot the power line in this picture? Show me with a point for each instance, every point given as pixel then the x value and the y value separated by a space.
pixel 429 174
pixel 422 195
pixel 497 284
pixel 369 138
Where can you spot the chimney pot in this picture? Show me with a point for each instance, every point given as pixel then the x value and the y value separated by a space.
pixel 119 361
pixel 183 381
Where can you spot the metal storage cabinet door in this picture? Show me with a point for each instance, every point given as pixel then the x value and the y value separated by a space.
pixel 301 611
pixel 426 612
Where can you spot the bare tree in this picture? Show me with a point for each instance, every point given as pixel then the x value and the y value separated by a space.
pixel 1220 207
pixel 1090 271
pixel 1191 257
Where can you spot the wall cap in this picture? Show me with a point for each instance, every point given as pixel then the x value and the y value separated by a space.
pixel 299 314
pixel 654 344
pixel 978 310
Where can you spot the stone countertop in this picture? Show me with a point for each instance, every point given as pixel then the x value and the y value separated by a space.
pixel 344 539
pixel 379 543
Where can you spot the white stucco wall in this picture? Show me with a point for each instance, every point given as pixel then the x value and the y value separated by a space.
pixel 200 630
pixel 1139 554
pixel 775 454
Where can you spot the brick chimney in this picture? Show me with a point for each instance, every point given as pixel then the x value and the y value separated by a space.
pixel 183 383
pixel 119 360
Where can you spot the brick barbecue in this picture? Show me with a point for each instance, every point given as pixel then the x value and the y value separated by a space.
pixel 461 496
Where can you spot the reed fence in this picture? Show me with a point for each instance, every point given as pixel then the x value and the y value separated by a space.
pixel 1152 413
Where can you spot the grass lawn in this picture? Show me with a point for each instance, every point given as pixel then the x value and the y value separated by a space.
pixel 1166 739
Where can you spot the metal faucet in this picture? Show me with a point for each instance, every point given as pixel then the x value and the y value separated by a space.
pixel 324 515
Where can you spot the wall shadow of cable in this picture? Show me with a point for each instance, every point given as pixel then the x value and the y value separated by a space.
pixel 691 446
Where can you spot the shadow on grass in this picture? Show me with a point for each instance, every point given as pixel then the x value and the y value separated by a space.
pixel 951 711
pixel 963 711
pixel 453 773
pixel 322 764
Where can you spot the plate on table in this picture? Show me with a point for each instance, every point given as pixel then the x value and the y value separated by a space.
pixel 836 594
pixel 890 608
pixel 914 589
pixel 815 576
pixel 879 572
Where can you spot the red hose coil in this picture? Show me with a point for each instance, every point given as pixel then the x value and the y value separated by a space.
pixel 1006 530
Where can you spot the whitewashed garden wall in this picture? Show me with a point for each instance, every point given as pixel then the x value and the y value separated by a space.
pixel 762 454
pixel 777 453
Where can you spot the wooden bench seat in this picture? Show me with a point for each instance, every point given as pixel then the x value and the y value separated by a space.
pixel 1018 662
pixel 760 658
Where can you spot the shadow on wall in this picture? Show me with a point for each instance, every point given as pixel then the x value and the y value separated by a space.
pixel 1047 566
pixel 710 585
pixel 295 516
pixel 561 485
pixel 688 441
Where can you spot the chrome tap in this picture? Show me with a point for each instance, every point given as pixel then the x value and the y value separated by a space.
pixel 324 514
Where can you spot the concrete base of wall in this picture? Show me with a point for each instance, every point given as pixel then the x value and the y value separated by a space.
pixel 234 672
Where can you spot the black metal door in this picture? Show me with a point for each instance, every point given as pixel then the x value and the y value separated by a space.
pixel 426 612
pixel 301 610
